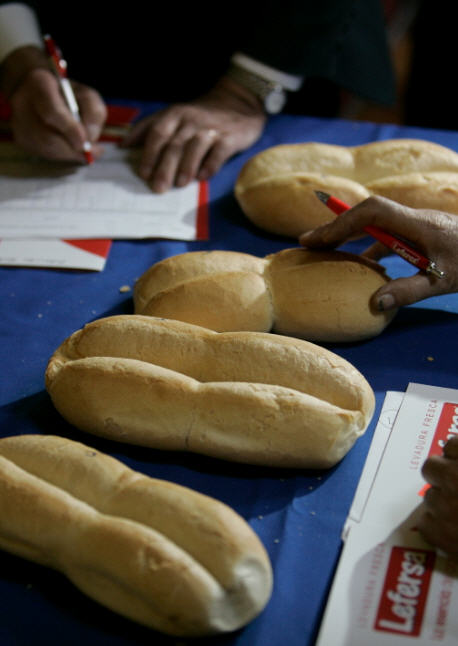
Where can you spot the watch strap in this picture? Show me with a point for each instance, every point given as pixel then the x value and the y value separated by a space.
pixel 263 88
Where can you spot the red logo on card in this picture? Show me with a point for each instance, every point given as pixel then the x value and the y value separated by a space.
pixel 447 427
pixel 405 590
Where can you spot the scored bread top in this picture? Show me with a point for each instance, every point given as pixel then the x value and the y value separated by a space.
pixel 160 553
pixel 250 397
pixel 276 188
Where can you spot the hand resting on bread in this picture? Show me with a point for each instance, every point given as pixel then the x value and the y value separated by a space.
pixel 433 233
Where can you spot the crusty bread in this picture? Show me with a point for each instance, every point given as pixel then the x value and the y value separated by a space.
pixel 315 295
pixel 156 552
pixel 276 188
pixel 242 396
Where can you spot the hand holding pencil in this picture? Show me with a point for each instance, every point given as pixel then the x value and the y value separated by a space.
pixel 433 234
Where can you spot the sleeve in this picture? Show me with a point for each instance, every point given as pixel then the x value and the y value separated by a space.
pixel 343 41
pixel 18 28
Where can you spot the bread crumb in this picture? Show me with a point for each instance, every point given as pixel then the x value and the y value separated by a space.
pixel 277 540
pixel 430 358
pixel 260 517
pixel 124 288
pixel 40 316
pixel 312 513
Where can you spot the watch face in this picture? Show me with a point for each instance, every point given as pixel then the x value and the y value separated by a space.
pixel 274 101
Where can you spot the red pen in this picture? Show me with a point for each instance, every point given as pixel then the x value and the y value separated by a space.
pixel 395 244
pixel 60 69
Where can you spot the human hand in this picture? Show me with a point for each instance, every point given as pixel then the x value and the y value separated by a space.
pixel 41 121
pixel 433 233
pixel 193 140
pixel 438 522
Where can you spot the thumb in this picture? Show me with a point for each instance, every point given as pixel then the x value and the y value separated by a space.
pixel 136 133
pixel 403 291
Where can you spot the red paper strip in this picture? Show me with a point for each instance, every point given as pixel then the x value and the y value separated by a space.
pixel 202 224
pixel 98 247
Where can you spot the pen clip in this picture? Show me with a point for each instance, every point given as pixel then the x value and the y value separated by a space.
pixel 432 269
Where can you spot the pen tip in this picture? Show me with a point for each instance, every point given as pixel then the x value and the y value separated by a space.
pixel 87 151
pixel 324 197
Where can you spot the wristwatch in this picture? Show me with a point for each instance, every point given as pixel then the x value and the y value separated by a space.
pixel 271 94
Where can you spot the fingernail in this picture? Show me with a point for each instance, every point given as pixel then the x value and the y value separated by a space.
pixel 159 187
pixel 203 175
pixel 386 302
pixel 182 180
pixel 93 131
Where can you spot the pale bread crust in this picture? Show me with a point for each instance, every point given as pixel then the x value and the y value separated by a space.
pixel 276 188
pixel 158 553
pixel 318 296
pixel 242 396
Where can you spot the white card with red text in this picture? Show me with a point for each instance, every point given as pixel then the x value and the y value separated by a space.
pixel 391 587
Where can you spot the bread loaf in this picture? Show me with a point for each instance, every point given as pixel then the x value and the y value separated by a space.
pixel 241 396
pixel 315 295
pixel 276 188
pixel 156 552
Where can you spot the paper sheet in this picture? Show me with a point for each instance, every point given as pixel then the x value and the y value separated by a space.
pixel 391 587
pixel 54 253
pixel 107 199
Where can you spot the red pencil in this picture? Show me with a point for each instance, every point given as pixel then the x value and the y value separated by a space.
pixel 395 244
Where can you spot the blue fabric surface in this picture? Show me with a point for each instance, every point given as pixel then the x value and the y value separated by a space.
pixel 298 515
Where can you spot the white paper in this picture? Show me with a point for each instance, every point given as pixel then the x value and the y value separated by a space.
pixel 50 254
pixel 388 414
pixel 106 199
pixel 379 596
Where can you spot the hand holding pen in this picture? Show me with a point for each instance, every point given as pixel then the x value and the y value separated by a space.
pixel 59 66
pixel 42 122
pixel 432 235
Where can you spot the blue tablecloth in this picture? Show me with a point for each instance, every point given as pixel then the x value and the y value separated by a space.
pixel 298 515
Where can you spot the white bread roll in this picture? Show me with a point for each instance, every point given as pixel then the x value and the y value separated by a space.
pixel 240 396
pixel 156 552
pixel 276 188
pixel 314 295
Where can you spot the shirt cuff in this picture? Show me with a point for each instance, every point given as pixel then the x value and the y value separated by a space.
pixel 287 81
pixel 18 28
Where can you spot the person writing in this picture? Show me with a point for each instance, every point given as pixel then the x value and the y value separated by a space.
pixel 433 233
pixel 221 79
